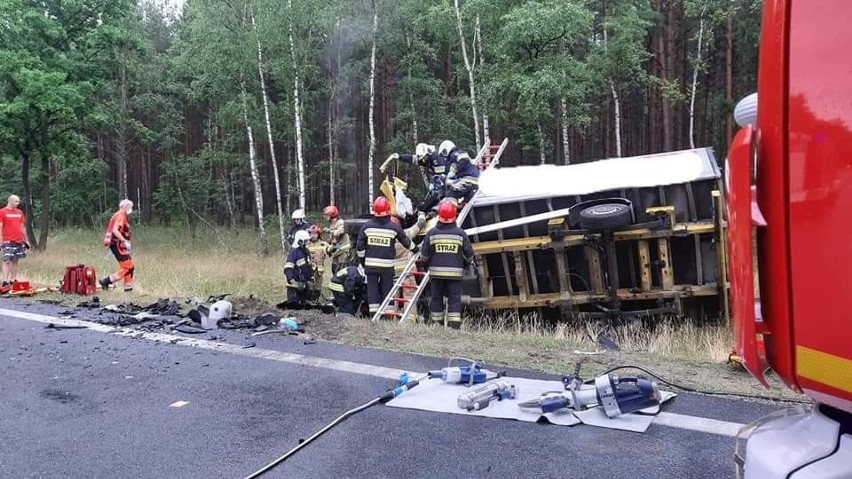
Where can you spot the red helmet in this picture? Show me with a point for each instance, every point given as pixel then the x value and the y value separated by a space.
pixel 330 211
pixel 381 206
pixel 447 212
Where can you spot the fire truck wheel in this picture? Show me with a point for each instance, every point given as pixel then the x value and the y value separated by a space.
pixel 606 216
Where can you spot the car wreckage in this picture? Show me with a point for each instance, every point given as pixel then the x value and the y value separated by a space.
pixel 614 238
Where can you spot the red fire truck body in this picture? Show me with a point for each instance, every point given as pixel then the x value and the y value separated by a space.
pixel 793 164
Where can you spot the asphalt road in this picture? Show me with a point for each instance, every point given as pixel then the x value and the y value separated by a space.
pixel 84 403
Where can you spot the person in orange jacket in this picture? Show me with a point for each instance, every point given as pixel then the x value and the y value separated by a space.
pixel 117 238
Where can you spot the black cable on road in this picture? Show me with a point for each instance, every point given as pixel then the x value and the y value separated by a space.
pixel 387 396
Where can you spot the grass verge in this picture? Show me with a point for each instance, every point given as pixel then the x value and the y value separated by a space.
pixel 169 264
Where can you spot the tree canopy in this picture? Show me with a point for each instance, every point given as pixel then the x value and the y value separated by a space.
pixel 105 99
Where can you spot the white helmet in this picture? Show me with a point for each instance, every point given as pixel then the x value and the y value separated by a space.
pixel 298 214
pixel 423 149
pixel 301 237
pixel 446 147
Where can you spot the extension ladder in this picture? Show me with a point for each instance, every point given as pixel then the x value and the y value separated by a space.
pixel 487 157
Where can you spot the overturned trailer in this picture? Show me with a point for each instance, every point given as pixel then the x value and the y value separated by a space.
pixel 617 237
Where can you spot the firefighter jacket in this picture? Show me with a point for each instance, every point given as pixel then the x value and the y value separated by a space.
pixel 434 162
pixel 460 163
pixel 403 255
pixel 317 251
pixel 376 244
pixel 348 281
pixel 298 267
pixel 338 239
pixel 446 251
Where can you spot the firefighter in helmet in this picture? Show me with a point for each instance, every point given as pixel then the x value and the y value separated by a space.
pixel 462 175
pixel 376 249
pixel 299 223
pixel 446 252
pixel 434 166
pixel 317 249
pixel 348 287
pixel 338 244
pixel 298 270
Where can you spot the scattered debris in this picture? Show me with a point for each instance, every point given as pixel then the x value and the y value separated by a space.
pixel 608 343
pixel 178 404
pixel 185 328
pixel 65 326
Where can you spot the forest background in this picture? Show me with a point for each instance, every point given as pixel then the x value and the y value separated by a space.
pixel 232 113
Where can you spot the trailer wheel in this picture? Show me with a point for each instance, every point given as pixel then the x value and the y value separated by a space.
pixel 606 216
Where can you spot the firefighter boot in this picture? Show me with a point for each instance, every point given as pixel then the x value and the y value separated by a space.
pixel 105 282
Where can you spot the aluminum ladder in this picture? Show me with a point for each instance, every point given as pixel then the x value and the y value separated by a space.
pixel 487 157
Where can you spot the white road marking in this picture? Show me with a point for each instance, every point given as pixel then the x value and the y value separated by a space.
pixel 680 421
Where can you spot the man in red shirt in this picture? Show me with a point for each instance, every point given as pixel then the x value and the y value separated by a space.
pixel 117 238
pixel 13 237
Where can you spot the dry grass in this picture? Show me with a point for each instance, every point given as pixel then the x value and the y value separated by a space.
pixel 170 265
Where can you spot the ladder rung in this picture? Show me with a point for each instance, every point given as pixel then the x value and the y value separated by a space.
pixel 408 286
pixel 391 313
pixel 401 300
pixel 493 147
pixel 415 273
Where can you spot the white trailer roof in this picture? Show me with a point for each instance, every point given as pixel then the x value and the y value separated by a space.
pixel 502 185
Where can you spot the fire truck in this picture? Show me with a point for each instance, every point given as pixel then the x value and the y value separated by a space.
pixel 789 182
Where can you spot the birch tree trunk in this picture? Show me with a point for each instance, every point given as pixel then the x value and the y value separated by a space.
pixel 255 176
pixel 372 150
pixel 300 163
pixel 541 144
pixel 695 69
pixel 275 172
pixel 617 114
pixel 486 129
pixel 566 151
pixel 469 69
pixel 616 106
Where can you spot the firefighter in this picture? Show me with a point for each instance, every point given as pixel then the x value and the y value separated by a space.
pixel 435 166
pixel 117 238
pixel 403 256
pixel 425 156
pixel 446 253
pixel 317 250
pixel 348 287
pixel 376 249
pixel 299 223
pixel 298 270
pixel 462 175
pixel 339 245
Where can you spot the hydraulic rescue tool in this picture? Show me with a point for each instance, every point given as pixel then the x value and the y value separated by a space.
pixel 616 394
pixel 481 397
pixel 470 374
